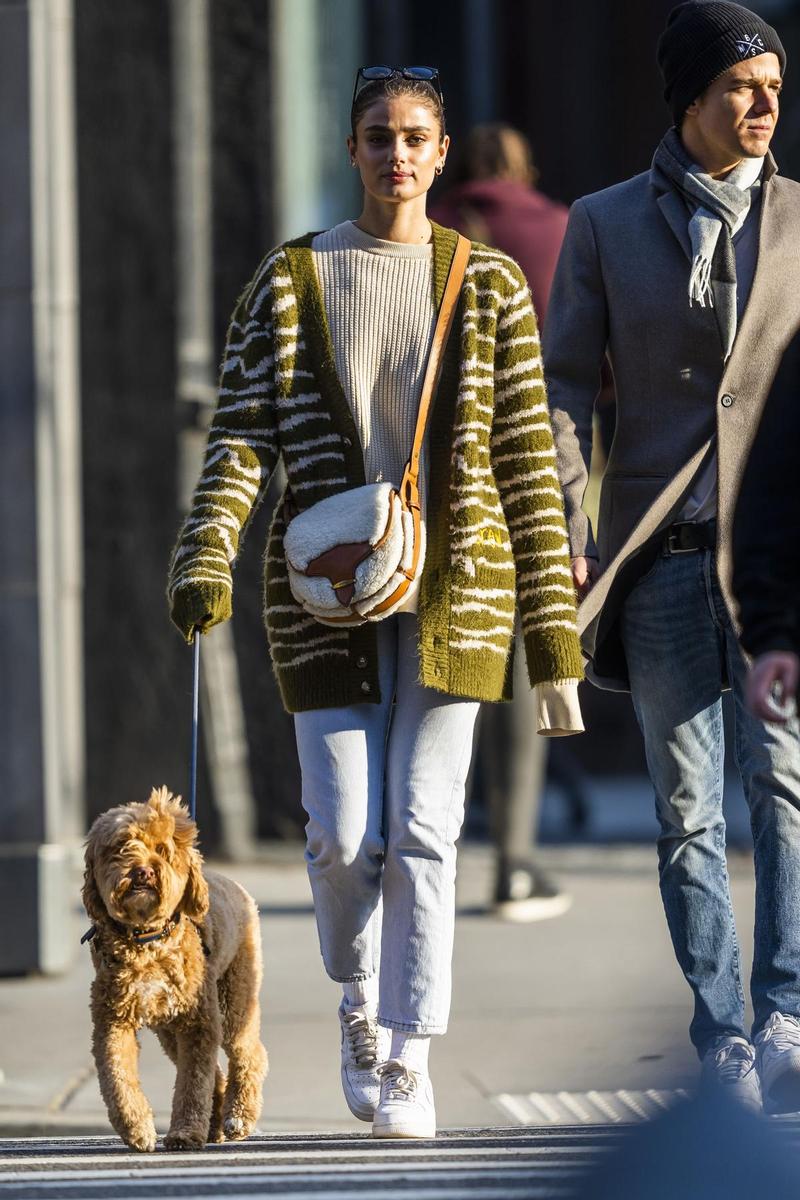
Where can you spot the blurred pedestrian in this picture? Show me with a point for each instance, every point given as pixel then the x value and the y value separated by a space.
pixel 324 367
pixel 494 200
pixel 701 1149
pixel 766 563
pixel 688 275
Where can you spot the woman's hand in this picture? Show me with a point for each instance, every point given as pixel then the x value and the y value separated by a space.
pixel 771 686
pixel 200 607
pixel 585 572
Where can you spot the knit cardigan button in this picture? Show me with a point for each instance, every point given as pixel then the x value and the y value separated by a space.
pixel 366 688
pixel 726 401
pixel 361 662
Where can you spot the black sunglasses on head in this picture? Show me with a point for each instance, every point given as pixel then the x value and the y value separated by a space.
pixel 365 75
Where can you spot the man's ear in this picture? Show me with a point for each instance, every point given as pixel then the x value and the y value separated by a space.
pixel 92 900
pixel 195 896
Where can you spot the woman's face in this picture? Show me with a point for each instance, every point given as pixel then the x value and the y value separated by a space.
pixel 397 148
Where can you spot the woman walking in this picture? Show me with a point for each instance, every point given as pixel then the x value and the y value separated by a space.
pixel 324 367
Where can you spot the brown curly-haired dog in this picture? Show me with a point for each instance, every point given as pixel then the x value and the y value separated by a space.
pixel 179 952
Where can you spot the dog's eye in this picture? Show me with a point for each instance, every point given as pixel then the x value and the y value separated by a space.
pixel 162 851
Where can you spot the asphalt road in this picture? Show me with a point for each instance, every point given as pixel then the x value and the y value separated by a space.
pixel 480 1164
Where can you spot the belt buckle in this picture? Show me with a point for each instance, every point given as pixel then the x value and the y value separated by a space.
pixel 672 546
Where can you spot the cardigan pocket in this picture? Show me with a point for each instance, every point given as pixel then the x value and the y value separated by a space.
pixel 486 556
pixel 483 604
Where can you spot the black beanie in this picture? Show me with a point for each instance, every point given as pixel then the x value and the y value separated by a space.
pixel 703 38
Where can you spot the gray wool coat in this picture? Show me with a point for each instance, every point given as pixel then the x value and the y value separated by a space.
pixel 621 289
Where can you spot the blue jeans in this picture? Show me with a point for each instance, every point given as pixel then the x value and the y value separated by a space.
pixel 383 787
pixel 679 640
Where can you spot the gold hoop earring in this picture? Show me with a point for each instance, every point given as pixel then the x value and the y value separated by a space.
pixel 439 169
pixel 353 162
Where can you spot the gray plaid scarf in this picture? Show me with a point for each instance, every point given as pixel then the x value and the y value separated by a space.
pixel 718 209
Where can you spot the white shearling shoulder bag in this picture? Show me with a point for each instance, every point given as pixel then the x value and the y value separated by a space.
pixel 354 556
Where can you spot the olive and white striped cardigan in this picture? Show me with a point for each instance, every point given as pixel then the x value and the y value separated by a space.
pixel 496 534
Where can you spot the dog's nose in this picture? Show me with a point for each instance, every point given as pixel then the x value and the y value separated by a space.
pixel 143 875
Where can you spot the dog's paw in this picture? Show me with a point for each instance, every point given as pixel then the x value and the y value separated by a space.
pixel 143 1137
pixel 184 1139
pixel 236 1128
pixel 216 1132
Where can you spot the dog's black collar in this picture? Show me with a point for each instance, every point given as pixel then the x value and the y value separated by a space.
pixel 135 933
pixel 142 936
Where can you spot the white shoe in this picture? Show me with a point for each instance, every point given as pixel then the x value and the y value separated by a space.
pixel 729 1069
pixel 778 1050
pixel 406 1108
pixel 361 1056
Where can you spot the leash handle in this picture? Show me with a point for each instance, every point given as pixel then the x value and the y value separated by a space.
pixel 195 725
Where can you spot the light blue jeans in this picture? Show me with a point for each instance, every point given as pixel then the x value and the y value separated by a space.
pixel 678 638
pixel 383 787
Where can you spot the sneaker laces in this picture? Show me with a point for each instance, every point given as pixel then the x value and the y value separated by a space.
pixel 401 1082
pixel 782 1032
pixel 361 1032
pixel 733 1061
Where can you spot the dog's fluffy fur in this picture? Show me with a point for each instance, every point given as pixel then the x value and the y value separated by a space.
pixel 196 987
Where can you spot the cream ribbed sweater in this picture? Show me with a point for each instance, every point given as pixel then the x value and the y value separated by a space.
pixel 378 298
pixel 379 303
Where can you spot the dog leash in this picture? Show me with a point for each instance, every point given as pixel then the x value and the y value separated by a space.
pixel 195 725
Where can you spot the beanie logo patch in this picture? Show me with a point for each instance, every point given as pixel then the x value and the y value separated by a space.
pixel 750 46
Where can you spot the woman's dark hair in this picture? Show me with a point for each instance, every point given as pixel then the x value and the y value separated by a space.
pixel 389 89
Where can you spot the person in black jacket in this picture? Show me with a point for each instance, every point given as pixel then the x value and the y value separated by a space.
pixel 766 563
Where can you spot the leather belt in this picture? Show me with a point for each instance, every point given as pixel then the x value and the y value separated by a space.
pixel 684 537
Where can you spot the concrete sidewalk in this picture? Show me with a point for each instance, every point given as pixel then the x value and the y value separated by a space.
pixel 590 1001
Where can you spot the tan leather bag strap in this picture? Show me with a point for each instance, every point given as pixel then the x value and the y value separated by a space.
pixel 444 324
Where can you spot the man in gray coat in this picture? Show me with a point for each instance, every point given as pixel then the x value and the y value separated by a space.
pixel 687 278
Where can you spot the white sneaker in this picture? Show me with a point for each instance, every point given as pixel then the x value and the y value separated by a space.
pixel 778 1050
pixel 406 1108
pixel 729 1069
pixel 362 1042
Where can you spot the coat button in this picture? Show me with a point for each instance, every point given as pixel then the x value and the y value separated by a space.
pixel 347 441
pixel 365 687
pixel 726 401
pixel 361 662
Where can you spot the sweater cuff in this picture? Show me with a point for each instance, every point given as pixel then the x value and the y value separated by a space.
pixel 553 654
pixel 199 606
pixel 559 709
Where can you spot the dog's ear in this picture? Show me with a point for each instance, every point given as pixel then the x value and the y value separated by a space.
pixel 92 900
pixel 195 896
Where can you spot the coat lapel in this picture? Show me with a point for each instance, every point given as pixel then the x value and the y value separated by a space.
pixel 676 215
